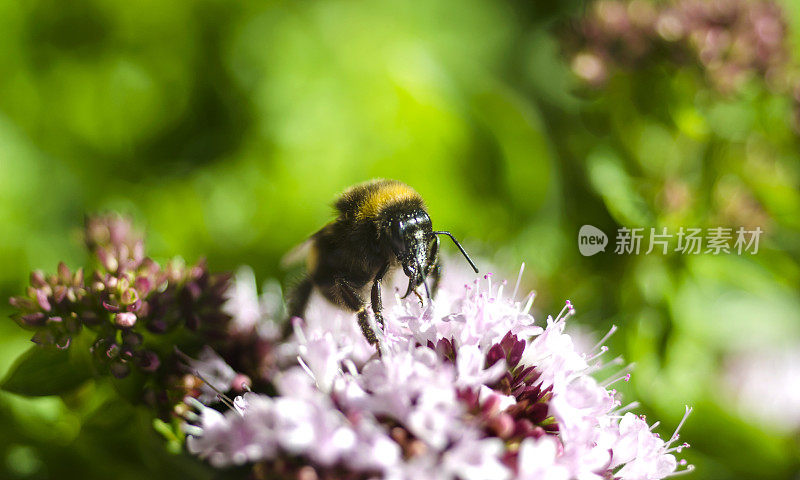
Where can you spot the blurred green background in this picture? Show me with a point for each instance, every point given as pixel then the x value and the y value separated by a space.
pixel 227 128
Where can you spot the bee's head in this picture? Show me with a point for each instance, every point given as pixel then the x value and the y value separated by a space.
pixel 412 241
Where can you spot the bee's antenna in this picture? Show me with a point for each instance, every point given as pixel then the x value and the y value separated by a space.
pixel 220 394
pixel 222 397
pixel 460 248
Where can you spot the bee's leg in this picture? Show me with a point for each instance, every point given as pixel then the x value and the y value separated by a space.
pixel 352 300
pixel 377 304
pixel 297 302
pixel 419 297
pixel 434 267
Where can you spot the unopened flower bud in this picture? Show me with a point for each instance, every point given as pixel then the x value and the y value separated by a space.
pixel 125 319
pixel 120 370
pixel 37 279
pixel 34 319
pixel 148 361
pixel 502 425
pixel 43 301
pixel 109 262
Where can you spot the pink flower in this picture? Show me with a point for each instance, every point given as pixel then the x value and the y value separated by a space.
pixel 476 459
pixel 539 460
pixel 466 387
pixel 251 314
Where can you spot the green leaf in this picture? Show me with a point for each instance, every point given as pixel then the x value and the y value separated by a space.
pixel 172 434
pixel 43 371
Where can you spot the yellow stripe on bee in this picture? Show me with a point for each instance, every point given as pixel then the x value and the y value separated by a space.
pixel 386 195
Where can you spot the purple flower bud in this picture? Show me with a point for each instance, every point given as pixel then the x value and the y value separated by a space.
pixel 538 412
pixel 112 351
pixel 110 307
pixel 508 341
pixel 552 428
pixel 516 352
pixel 194 290
pixel 34 319
pixel 129 296
pixel 157 326
pixel 125 319
pixel 43 302
pixel 77 279
pixel 123 254
pixel 491 404
pixel 63 342
pixel 495 354
pixel 109 262
pixel 125 353
pixel 445 348
pixel 131 338
pixel 22 303
pixel 138 252
pixel 64 274
pixel 142 310
pixel 120 370
pixel 133 307
pixel 37 279
pixel 143 284
pixel 502 425
pixel 118 229
pixel 469 397
pixel 59 293
pixel 148 360
pixel 524 428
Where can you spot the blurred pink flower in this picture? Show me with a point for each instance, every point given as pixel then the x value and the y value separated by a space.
pixel 764 385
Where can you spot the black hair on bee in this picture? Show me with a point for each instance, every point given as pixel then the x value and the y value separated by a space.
pixel 381 225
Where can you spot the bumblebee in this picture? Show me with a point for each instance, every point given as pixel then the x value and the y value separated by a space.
pixel 381 225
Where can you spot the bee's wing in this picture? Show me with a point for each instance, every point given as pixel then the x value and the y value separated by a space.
pixel 297 255
pixel 301 252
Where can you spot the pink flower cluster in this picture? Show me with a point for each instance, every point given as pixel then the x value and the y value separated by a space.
pixel 731 40
pixel 465 387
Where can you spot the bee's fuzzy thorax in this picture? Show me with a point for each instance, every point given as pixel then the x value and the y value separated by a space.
pixel 368 200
